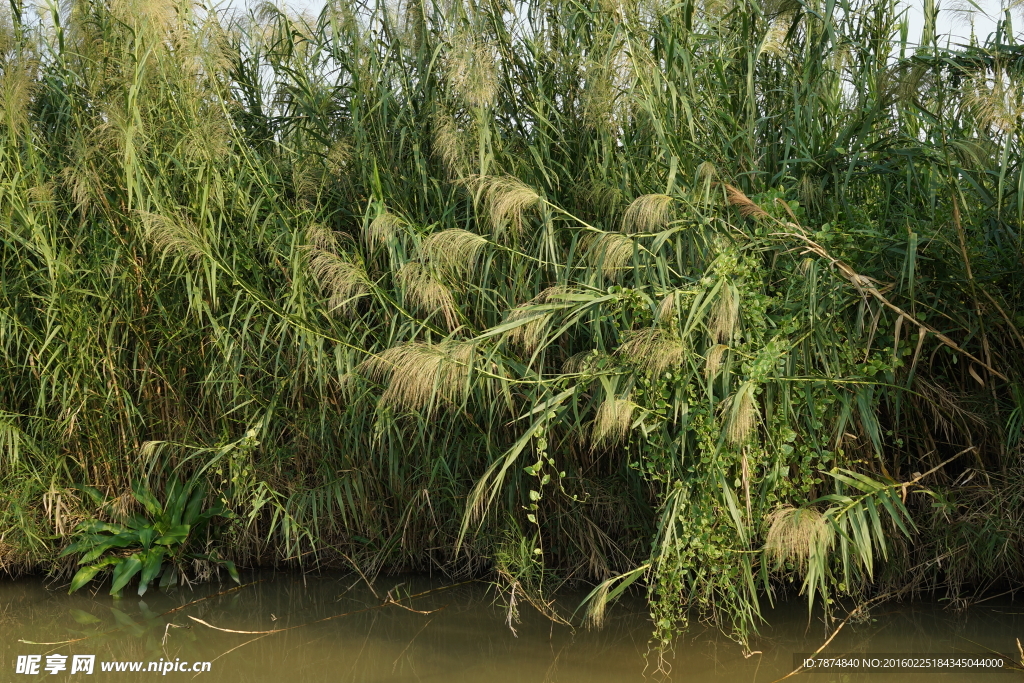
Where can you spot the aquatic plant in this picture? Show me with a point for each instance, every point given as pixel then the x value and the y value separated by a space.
pixel 713 298
pixel 166 535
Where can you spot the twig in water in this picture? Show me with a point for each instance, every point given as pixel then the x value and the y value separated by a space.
pixel 233 649
pixel 839 628
pixel 361 575
pixel 167 628
pixel 164 614
pixel 409 644
pixel 387 602
pixel 215 595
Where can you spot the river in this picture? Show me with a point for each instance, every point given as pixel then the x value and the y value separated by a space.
pixel 334 628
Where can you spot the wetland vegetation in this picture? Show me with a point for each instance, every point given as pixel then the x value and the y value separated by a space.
pixel 715 301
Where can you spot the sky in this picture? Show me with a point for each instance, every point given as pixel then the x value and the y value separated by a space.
pixel 955 25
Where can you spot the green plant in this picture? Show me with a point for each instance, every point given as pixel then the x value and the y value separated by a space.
pixel 618 282
pixel 151 545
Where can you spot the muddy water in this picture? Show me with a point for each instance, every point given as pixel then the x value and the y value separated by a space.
pixel 453 635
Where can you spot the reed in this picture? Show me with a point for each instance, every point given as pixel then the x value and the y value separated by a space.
pixel 690 293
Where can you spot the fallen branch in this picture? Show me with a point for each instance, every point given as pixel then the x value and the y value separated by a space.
pixel 388 601
pixel 839 628
pixel 749 209
pixel 170 611
pixel 865 284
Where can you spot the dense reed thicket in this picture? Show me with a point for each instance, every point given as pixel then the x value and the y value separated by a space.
pixel 717 295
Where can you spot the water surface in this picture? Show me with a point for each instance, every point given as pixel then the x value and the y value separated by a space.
pixel 457 634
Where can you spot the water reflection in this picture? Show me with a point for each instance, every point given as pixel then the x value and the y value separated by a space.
pixel 453 635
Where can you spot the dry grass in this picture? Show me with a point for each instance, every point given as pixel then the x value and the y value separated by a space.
pixel 422 377
pixel 997 102
pixel 654 349
pixel 382 230
pixel 340 277
pixel 528 336
pixel 741 414
pixel 506 200
pixel 612 422
pixel 747 208
pixel 612 253
pixel 647 213
pixel 725 316
pixel 454 252
pixel 713 360
pixel 469 160
pixel 449 145
pixel 473 69
pixel 426 293
pixel 796 535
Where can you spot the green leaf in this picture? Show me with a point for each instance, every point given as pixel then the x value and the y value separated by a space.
pixel 151 564
pixel 894 506
pixel 95 553
pixel 96 497
pixel 626 580
pixel 146 537
pixel 170 577
pixel 207 515
pixel 857 480
pixel 734 510
pixel 192 510
pixel 146 498
pixel 177 498
pixel 232 570
pixel 84 618
pixel 124 539
pixel 95 526
pixel 84 576
pixel 76 547
pixel 876 525
pixel 174 536
pixel 604 593
pixel 137 522
pixel 127 568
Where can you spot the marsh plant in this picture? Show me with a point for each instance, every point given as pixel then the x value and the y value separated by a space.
pixel 153 545
pixel 717 300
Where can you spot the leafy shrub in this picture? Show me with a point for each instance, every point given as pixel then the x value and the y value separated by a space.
pixel 151 545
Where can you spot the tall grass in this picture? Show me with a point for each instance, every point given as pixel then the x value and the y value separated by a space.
pixel 716 295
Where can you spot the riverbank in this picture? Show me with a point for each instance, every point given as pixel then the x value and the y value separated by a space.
pixel 715 299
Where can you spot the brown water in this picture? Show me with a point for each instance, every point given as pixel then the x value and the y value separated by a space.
pixel 466 639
